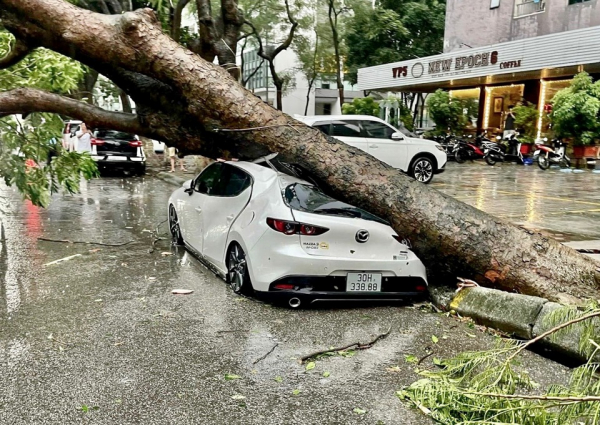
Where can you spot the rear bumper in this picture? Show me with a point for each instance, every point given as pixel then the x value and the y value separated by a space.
pixel 128 163
pixel 271 262
pixel 313 297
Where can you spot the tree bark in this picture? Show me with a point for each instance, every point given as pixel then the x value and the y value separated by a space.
pixel 198 107
pixel 125 102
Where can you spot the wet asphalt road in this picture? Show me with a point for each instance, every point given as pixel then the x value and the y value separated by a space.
pixel 566 205
pixel 102 331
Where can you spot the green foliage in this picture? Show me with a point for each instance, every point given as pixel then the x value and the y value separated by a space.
pixel 484 387
pixel 24 149
pixel 394 31
pixel 446 112
pixel 42 69
pixel 400 115
pixel 576 110
pixel 526 118
pixel 361 106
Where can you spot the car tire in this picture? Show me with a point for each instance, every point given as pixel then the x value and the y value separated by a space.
pixel 174 226
pixel 141 170
pixel 238 277
pixel 422 170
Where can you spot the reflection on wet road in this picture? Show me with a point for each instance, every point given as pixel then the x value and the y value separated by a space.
pixel 565 204
pixel 103 332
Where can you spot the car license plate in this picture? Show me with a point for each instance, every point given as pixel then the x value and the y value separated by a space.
pixel 363 282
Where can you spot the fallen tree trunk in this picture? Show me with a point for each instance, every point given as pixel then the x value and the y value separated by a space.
pixel 196 106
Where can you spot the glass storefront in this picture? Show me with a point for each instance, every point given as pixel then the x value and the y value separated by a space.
pixel 470 102
pixel 498 100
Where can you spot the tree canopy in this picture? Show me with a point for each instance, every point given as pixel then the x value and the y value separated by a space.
pixel 393 31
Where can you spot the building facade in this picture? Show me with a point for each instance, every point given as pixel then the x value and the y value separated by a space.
pixel 485 22
pixel 321 99
pixel 499 53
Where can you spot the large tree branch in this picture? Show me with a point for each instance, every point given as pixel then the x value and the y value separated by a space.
pixel 17 53
pixel 25 101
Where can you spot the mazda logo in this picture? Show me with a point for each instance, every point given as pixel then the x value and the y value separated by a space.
pixel 362 236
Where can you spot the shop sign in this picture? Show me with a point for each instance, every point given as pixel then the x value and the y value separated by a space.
pixel 457 65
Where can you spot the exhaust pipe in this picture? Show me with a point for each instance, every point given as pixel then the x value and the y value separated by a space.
pixel 294 302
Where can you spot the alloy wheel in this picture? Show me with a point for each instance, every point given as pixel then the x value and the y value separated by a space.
pixel 423 170
pixel 174 226
pixel 236 269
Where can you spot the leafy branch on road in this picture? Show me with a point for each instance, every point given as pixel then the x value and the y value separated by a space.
pixel 488 387
pixel 354 345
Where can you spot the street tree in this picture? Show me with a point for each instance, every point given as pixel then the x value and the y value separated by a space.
pixel 196 106
pixel 260 21
pixel 395 30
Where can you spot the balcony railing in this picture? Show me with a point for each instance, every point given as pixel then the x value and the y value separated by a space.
pixel 528 7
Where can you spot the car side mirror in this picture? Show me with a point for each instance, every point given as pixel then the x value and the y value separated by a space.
pixel 188 187
pixel 397 136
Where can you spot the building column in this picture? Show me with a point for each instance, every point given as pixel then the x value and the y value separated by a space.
pixel 481 109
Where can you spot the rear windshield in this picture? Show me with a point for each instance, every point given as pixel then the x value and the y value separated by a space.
pixel 113 134
pixel 307 198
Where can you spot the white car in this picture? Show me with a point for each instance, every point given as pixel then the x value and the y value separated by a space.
pixel 420 158
pixel 283 239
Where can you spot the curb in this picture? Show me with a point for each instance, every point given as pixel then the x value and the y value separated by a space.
pixel 522 316
pixel 170 178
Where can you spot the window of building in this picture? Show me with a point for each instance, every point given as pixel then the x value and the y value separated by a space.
pixel 327 109
pixel 577 1
pixel 325 85
pixel 494 4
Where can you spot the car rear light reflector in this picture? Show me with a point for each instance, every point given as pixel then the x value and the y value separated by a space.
pixel 421 288
pixel 135 143
pixel 293 228
pixel 284 286
pixel 97 142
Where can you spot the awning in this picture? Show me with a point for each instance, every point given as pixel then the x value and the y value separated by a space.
pixel 549 56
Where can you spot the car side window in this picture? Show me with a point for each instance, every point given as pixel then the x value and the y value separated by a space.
pixel 325 127
pixel 377 130
pixel 207 182
pixel 236 181
pixel 345 129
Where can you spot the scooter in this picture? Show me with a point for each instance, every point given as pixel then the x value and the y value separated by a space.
pixel 498 152
pixel 547 156
pixel 464 150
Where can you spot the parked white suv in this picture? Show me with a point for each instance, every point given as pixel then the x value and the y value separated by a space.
pixel 417 157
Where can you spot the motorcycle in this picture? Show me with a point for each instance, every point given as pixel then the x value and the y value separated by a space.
pixel 547 156
pixel 464 150
pixel 511 151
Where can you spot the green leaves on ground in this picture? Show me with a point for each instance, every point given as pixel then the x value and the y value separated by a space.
pixel 489 387
pixel 278 379
pixel 434 339
pixel 310 365
pixel 296 392
pixel 359 411
pixel 326 374
pixel 231 377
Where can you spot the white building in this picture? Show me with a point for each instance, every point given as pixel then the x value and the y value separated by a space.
pixel 323 98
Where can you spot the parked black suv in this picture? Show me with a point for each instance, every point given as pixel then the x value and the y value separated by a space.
pixel 116 150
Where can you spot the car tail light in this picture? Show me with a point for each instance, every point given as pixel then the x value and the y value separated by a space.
pixel 293 228
pixel 135 143
pixel 97 142
pixel 421 288
pixel 284 286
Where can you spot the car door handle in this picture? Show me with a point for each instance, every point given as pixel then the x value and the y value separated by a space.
pixel 374 146
pixel 230 217
pixel 198 209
